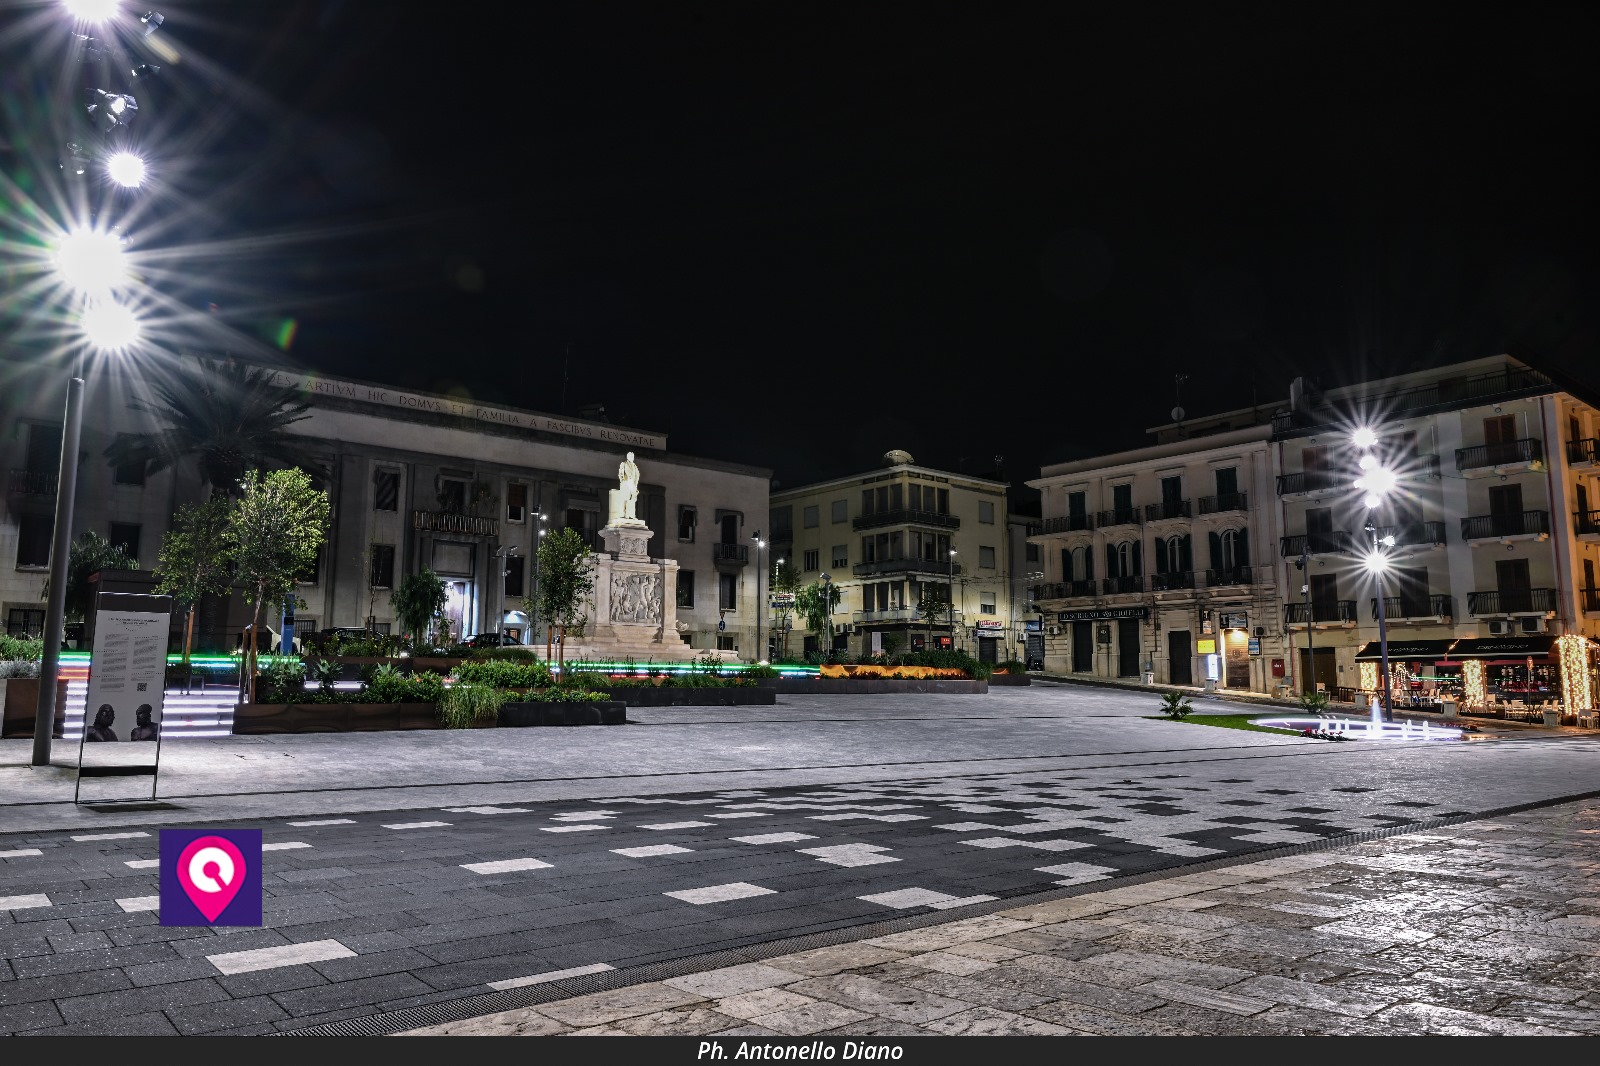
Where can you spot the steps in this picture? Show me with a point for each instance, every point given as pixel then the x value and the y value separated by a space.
pixel 208 714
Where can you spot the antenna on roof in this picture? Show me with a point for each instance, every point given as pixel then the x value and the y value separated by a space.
pixel 1177 392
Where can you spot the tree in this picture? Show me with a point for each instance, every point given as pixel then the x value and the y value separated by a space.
pixel 933 603
pixel 227 417
pixel 193 561
pixel 565 579
pixel 816 607
pixel 273 535
pixel 90 553
pixel 785 579
pixel 417 599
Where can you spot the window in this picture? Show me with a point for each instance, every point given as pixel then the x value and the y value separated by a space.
pixel 1030 552
pixel 1227 480
pixel 452 496
pixel 516 565
pixel 25 622
pixel 728 592
pixel 382 572
pixel 127 473
pixel 841 556
pixel 1171 489
pixel 841 511
pixel 782 523
pixel 867 502
pixel 685 588
pixel 986 603
pixel 687 517
pixel 386 490
pixel 810 560
pixel 125 535
pixel 1127 560
pixel 986 511
pixel 1174 555
pixel 33 539
pixel 809 517
pixel 730 528
pixel 1077 506
pixel 986 557
pixel 944 500
pixel 725 642
pixel 516 501
pixel 1078 565
pixel 1122 498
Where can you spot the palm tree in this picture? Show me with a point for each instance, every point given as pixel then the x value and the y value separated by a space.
pixel 228 417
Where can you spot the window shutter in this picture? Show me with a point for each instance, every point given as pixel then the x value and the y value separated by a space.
pixel 1111 561
pixel 1215 540
pixel 1088 565
pixel 1185 554
pixel 1242 551
pixel 1161 556
pixel 1066 565
pixel 1138 560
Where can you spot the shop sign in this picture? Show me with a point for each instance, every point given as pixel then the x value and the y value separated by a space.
pixel 1093 614
pixel 468 525
pixel 990 624
pixel 1207 647
pixel 1236 621
pixel 1255 645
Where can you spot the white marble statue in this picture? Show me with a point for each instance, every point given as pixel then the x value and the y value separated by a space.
pixel 625 499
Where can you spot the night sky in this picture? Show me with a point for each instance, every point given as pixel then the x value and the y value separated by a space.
pixel 801 236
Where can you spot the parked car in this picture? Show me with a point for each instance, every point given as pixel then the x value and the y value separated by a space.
pixel 494 640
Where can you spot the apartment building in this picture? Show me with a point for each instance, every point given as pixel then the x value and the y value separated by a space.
pixel 890 537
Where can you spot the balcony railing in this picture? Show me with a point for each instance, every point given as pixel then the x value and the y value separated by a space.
pixel 1331 542
pixel 905 516
pixel 1414 533
pixel 25 482
pixel 1063 590
pixel 736 554
pixel 1128 516
pixel 1498 384
pixel 1511 601
pixel 1587 522
pixel 1433 605
pixel 1115 586
pixel 1228 501
pixel 1583 451
pixel 1071 523
pixel 1329 611
pixel 1507 453
pixel 1311 481
pixel 904 566
pixel 1238 575
pixel 1168 582
pixel 1590 599
pixel 1514 524
pixel 1156 512
pixel 891 614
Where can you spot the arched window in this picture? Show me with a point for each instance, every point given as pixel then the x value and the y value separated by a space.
pixel 1125 559
pixel 1232 558
pixel 1080 564
pixel 1172 554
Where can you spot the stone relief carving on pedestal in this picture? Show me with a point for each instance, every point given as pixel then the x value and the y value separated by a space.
pixel 635 598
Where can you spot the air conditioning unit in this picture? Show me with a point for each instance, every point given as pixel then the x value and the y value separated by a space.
pixel 1532 624
pixel 1055 631
pixel 1499 627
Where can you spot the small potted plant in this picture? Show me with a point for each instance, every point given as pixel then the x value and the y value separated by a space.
pixel 1176 705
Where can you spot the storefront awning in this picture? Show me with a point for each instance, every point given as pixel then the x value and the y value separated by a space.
pixel 1406 651
pixel 1502 648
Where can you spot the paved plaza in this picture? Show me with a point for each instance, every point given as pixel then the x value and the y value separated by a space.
pixel 409 873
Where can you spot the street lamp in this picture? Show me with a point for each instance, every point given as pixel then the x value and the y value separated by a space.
pixel 950 600
pixel 503 552
pixel 1376 482
pixel 761 566
pixel 126 169
pixel 827 618
pixel 533 614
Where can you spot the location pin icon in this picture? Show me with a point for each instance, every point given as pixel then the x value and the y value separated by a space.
pixel 211 869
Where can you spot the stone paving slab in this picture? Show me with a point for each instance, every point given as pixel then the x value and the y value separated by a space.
pixel 1136 976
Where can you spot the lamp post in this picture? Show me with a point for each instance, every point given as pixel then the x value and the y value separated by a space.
pixel 825 638
pixel 761 566
pixel 502 552
pixel 533 614
pixel 950 600
pixel 1376 482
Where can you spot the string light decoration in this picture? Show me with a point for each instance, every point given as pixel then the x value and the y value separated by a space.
pixel 1576 693
pixel 1474 684
pixel 1399 681
pixel 1369 677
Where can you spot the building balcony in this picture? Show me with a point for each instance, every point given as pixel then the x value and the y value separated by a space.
pixel 1511 455
pixel 1229 501
pixel 1172 581
pixel 1238 575
pixel 24 482
pixel 1511 601
pixel 1072 523
pixel 1117 517
pixel 1120 586
pixel 1415 534
pixel 1583 452
pixel 1064 590
pixel 730 556
pixel 1434 607
pixel 1332 542
pixel 1308 481
pixel 903 616
pixel 904 566
pixel 1322 613
pixel 1590 600
pixel 907 517
pixel 1166 510
pixel 1587 524
pixel 1518 525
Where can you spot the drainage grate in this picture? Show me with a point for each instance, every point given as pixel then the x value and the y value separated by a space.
pixel 533 995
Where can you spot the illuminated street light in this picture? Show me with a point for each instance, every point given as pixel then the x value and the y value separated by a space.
pixel 91 261
pixel 110 327
pixel 91 10
pixel 126 169
pixel 111 109
pixel 1377 481
pixel 1364 438
pixel 151 21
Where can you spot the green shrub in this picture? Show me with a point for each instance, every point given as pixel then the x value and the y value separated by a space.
pixel 1315 702
pixel 760 671
pixel 324 673
pixel 1175 705
pixel 1012 666
pixel 21 649
pixel 282 680
pixel 515 654
pixel 466 702
pixel 566 695
pixel 504 673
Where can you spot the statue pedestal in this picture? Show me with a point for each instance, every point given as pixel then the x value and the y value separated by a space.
pixel 635 606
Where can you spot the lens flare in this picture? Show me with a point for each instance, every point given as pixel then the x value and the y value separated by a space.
pixel 126 169
pixel 1364 438
pixel 110 327
pixel 91 10
pixel 91 261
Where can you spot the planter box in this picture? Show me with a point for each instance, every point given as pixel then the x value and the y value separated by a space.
pixel 1014 680
pixel 695 697
pixel 250 719
pixel 517 715
pixel 438 666
pixel 849 686
pixel 20 698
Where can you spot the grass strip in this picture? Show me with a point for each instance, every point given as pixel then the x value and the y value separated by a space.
pixel 1228 721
